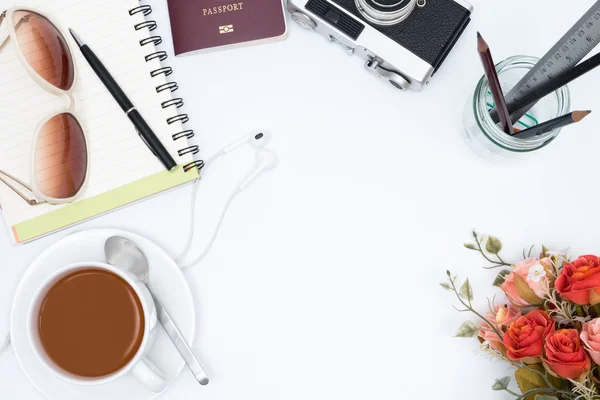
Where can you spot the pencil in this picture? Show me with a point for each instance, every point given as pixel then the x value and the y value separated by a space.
pixel 553 124
pixel 520 107
pixel 492 76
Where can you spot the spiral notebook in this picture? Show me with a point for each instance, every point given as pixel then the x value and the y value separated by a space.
pixel 122 169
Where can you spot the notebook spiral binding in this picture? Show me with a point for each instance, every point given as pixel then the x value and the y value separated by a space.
pixel 174 103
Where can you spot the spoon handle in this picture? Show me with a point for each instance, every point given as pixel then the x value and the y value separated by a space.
pixel 180 344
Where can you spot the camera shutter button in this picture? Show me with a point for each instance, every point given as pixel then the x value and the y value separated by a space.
pixel 304 20
pixel 395 79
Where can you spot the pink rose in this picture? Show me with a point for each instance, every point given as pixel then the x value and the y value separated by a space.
pixel 505 315
pixel 590 336
pixel 522 269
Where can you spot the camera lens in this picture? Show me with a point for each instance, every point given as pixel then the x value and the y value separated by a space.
pixel 385 12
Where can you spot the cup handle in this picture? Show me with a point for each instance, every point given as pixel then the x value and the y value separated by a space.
pixel 149 375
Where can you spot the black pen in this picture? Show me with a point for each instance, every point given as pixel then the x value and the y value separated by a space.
pixel 144 130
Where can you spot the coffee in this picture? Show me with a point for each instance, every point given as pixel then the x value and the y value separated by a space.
pixel 91 323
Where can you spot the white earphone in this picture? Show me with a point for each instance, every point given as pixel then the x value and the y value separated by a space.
pixel 257 139
pixel 265 160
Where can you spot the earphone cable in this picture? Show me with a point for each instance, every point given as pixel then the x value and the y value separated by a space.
pixel 5 344
pixel 214 235
pixel 191 231
pixel 217 229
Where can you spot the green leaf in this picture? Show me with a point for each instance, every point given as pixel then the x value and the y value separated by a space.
pixel 501 277
pixel 451 277
pixel 544 250
pixel 544 397
pixel 468 329
pixel 501 384
pixel 466 291
pixel 446 286
pixel 493 245
pixel 528 380
pixel 471 246
pixel 526 292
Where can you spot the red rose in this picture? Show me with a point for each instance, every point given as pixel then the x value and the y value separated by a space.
pixel 524 338
pixel 579 281
pixel 565 355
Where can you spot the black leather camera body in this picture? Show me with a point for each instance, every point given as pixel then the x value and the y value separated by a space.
pixel 403 41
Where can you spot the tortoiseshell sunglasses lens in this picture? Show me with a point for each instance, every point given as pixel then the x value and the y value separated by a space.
pixel 61 157
pixel 44 48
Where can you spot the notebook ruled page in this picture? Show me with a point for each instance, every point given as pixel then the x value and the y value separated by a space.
pixel 117 154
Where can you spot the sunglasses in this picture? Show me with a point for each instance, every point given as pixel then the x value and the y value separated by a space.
pixel 59 165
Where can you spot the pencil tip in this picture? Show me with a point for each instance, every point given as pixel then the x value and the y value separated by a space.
pixel 579 115
pixel 481 43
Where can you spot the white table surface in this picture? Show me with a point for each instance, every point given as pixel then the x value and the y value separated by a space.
pixel 324 281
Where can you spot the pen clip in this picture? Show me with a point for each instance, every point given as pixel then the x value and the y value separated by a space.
pixel 144 140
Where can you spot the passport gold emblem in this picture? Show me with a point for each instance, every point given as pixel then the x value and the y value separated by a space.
pixel 225 29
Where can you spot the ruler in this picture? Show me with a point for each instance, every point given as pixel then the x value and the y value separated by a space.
pixel 577 43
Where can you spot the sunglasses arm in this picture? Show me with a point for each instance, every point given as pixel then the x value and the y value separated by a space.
pixel 4 33
pixel 17 191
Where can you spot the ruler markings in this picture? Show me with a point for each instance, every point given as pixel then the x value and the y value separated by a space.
pixel 573 47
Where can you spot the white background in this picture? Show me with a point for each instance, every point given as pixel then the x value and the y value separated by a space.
pixel 324 281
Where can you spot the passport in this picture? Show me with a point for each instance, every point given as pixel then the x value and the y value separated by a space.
pixel 205 25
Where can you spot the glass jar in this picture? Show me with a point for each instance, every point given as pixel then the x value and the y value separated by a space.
pixel 487 138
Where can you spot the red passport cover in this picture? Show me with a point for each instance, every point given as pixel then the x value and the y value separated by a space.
pixel 209 24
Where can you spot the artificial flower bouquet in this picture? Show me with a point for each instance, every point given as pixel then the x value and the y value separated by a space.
pixel 548 327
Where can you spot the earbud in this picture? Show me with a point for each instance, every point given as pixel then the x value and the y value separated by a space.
pixel 258 139
pixel 265 160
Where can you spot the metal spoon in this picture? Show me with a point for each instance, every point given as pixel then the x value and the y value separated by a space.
pixel 124 254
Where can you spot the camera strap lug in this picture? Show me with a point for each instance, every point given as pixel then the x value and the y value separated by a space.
pixel 398 81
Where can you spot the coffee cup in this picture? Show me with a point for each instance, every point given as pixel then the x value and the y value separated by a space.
pixel 52 309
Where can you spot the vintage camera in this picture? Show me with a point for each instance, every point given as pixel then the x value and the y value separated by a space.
pixel 402 41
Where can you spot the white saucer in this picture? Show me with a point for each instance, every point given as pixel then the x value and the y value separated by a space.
pixel 166 282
